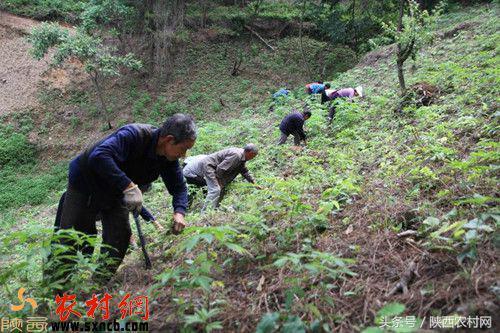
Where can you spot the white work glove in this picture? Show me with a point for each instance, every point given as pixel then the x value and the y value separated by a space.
pixel 132 197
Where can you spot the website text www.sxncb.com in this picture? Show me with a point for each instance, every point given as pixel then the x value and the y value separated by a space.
pixel 115 326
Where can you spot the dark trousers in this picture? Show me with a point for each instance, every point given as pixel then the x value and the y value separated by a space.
pixel 324 97
pixel 284 137
pixel 331 113
pixel 333 105
pixel 201 182
pixel 78 211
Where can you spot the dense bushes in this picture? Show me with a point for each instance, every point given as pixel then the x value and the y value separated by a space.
pixel 14 148
pixel 66 10
pixel 20 177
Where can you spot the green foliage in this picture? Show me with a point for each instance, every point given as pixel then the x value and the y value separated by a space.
pixel 281 322
pixel 428 160
pixel 317 263
pixel 284 11
pixel 202 320
pixel 268 323
pixel 416 31
pixel 322 59
pixel 67 10
pixel 45 36
pixel 20 177
pixel 28 185
pixel 140 104
pixel 224 235
pixel 90 50
pixel 458 235
pixel 116 14
pixel 351 23
pixel 98 60
pixel 390 309
pixel 15 149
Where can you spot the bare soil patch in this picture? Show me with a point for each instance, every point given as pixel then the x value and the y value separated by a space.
pixel 20 74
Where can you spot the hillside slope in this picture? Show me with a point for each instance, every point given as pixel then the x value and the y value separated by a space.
pixel 318 247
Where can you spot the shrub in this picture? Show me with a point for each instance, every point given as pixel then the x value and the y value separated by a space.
pixel 15 149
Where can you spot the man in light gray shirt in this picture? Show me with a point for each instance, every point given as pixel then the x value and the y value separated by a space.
pixel 217 170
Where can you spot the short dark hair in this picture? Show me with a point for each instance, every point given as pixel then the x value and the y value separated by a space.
pixel 251 148
pixel 180 126
pixel 327 86
pixel 307 113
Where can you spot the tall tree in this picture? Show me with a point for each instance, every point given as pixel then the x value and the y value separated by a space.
pixel 166 17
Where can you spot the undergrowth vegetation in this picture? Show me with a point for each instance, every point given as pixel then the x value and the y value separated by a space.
pixel 22 179
pixel 316 249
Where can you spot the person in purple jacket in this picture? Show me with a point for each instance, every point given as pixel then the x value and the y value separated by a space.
pixel 105 180
pixel 294 124
pixel 345 93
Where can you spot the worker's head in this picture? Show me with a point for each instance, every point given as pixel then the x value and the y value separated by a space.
pixel 251 151
pixel 358 91
pixel 306 114
pixel 327 86
pixel 177 135
pixel 320 82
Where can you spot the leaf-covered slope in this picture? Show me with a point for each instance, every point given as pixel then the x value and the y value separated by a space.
pixel 322 234
pixel 318 246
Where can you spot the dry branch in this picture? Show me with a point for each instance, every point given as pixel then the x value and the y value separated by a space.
pixel 406 278
pixel 259 37
pixel 407 233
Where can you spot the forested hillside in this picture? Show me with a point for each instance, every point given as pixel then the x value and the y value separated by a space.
pixel 387 215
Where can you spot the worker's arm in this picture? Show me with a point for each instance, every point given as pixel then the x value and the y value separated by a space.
pixel 299 126
pixel 176 186
pixel 174 181
pixel 146 215
pixel 302 135
pixel 104 159
pixel 246 174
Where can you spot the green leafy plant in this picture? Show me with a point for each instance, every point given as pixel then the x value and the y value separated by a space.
pixel 202 320
pixel 461 236
pixel 317 263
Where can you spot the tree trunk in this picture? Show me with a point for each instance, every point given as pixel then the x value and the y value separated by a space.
pixel 353 25
pixel 306 63
pixel 401 78
pixel 103 107
pixel 400 60
pixel 204 13
pixel 167 16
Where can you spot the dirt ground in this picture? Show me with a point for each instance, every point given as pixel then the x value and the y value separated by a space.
pixel 20 74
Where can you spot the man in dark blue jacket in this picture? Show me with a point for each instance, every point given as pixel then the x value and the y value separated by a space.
pixel 294 124
pixel 105 179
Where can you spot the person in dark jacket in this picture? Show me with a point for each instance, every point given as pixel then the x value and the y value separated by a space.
pixel 105 180
pixel 294 124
